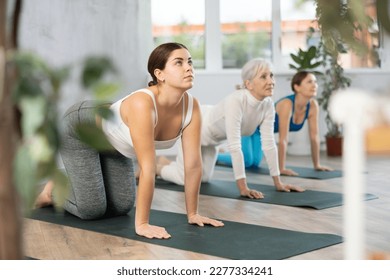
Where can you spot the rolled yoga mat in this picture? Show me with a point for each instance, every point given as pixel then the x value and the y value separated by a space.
pixel 312 199
pixel 233 241
pixel 303 172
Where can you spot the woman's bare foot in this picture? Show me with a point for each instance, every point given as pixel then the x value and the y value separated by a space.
pixel 45 199
pixel 161 162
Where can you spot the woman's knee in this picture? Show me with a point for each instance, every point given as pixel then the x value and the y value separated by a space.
pixel 123 206
pixel 89 212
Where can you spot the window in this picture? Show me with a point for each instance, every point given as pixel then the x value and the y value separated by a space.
pixel 241 30
pixel 297 16
pixel 296 19
pixel 246 28
pixel 180 21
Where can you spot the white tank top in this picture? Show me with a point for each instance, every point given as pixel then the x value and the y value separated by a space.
pixel 118 133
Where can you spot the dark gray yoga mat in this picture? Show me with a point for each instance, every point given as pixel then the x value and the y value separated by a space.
pixel 303 172
pixel 313 199
pixel 233 241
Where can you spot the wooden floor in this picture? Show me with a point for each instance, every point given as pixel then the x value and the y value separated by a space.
pixel 51 242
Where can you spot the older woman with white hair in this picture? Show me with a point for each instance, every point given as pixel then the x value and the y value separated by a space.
pixel 239 114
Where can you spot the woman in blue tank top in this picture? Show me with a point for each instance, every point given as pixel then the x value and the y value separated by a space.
pixel 291 113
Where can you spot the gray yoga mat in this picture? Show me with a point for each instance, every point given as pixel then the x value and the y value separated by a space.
pixel 233 241
pixel 312 199
pixel 303 172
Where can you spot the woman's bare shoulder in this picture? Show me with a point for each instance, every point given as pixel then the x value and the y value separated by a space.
pixel 138 100
pixel 284 106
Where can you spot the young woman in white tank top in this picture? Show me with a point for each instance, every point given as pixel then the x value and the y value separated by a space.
pixel 145 120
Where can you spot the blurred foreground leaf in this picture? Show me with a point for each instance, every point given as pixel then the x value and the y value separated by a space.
pixel 102 91
pixel 61 189
pixel 94 70
pixel 25 170
pixel 34 109
pixel 93 137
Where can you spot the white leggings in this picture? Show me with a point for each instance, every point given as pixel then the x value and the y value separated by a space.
pixel 174 172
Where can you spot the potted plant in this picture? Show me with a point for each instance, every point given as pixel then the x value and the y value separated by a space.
pixel 306 60
pixel 332 80
pixel 339 23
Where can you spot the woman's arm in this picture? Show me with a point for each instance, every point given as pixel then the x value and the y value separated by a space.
pixel 271 152
pixel 193 168
pixel 192 161
pixel 139 115
pixel 233 118
pixel 314 136
pixel 284 110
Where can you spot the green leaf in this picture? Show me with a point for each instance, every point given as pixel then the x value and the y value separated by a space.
pixel 102 91
pixel 33 114
pixel 104 112
pixel 305 63
pixel 296 58
pixel 94 69
pixel 93 137
pixel 311 52
pixel 317 64
pixel 25 176
pixel 25 86
pixel 40 149
pixel 61 189
pixel 58 77
pixel 30 65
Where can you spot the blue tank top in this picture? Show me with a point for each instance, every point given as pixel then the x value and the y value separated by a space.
pixel 293 126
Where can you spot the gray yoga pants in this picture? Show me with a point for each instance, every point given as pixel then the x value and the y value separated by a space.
pixel 102 183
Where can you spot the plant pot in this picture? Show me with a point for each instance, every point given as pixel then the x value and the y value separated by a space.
pixel 334 146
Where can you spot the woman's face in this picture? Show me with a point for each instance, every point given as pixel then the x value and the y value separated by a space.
pixel 179 71
pixel 308 86
pixel 262 85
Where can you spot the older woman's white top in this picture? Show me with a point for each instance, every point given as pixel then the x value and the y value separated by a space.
pixel 239 114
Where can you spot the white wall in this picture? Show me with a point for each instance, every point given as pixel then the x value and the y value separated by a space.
pixel 64 32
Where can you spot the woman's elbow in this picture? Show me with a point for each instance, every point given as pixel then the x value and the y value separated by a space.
pixel 314 137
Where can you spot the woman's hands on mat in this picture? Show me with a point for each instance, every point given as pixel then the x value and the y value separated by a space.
pixel 323 168
pixel 282 187
pixel 288 172
pixel 247 192
pixel 150 231
pixel 199 220
pixel 289 188
pixel 251 193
